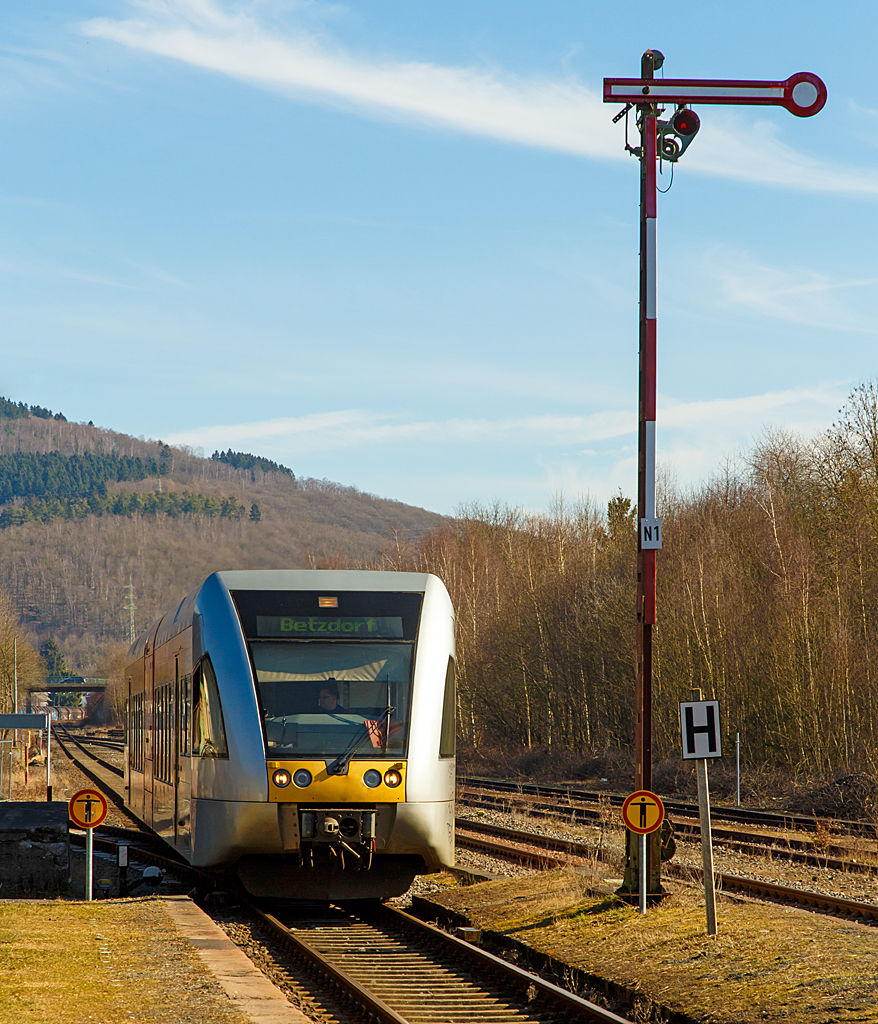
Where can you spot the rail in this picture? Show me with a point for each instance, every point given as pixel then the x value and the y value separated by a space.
pixel 401 969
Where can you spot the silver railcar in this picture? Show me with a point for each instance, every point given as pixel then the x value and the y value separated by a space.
pixel 299 727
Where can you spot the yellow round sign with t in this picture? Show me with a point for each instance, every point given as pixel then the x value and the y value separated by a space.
pixel 88 809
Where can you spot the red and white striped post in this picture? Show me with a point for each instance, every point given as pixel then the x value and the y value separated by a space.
pixel 648 525
pixel 803 94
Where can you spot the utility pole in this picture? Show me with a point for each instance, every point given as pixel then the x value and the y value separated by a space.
pixel 803 94
pixel 132 636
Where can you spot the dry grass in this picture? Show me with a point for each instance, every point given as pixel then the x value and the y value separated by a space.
pixel 108 962
pixel 766 964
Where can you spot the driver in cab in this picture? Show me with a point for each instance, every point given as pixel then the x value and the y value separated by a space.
pixel 328 699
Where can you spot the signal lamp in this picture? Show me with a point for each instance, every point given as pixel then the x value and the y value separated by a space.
pixel 392 778
pixel 302 778
pixel 372 778
pixel 685 122
pixel 281 778
pixel 674 136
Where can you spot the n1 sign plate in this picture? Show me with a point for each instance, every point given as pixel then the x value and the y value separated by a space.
pixel 699 726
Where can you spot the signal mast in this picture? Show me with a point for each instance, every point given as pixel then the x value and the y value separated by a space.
pixel 804 95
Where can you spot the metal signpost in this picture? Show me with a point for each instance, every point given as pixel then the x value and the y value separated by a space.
pixel 33 722
pixel 699 727
pixel 802 94
pixel 643 813
pixel 87 809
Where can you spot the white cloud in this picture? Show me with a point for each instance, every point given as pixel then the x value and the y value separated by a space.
pixel 352 428
pixel 809 404
pixel 559 114
pixel 796 294
pixel 729 146
pixel 554 114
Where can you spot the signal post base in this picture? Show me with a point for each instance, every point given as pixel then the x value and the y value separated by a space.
pixel 629 890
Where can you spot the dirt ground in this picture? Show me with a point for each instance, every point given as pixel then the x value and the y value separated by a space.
pixel 766 963
pixel 102 963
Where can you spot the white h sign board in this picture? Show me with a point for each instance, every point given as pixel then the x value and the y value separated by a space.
pixel 699 725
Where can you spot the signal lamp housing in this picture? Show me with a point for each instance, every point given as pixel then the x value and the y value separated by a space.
pixel 685 122
pixel 674 136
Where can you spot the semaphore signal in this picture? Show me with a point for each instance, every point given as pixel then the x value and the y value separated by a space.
pixel 803 95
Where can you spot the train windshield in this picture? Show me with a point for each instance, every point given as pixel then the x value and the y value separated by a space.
pixel 333 669
pixel 320 699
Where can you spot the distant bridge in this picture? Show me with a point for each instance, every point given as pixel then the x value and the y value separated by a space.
pixel 73 684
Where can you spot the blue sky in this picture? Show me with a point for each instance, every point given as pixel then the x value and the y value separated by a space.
pixel 395 244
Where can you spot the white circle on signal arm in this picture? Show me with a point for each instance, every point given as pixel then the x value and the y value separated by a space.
pixel 805 94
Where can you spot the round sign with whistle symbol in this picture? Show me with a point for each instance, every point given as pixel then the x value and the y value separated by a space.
pixel 643 811
pixel 87 808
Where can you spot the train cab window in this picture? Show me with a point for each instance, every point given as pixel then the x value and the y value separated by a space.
pixel 333 673
pixel 209 731
pixel 448 732
pixel 320 699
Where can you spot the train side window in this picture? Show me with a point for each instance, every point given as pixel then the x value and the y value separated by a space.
pixel 448 732
pixel 210 732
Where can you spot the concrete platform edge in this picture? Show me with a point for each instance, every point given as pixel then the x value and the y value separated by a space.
pixel 247 987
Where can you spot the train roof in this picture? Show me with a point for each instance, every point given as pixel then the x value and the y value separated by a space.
pixel 282 579
pixel 316 579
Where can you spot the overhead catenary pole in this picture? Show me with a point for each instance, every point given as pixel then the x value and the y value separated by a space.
pixel 132 636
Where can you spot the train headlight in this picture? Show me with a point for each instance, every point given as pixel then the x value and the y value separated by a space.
pixel 372 778
pixel 302 778
pixel 281 778
pixel 392 778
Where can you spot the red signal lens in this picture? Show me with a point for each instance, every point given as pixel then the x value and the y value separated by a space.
pixel 685 122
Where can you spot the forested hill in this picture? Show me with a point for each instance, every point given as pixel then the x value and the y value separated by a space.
pixel 83 510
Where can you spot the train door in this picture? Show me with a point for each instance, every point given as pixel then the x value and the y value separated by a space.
pixel 130 740
pixel 183 774
pixel 149 723
pixel 148 720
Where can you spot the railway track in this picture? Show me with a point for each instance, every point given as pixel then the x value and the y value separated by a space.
pixel 398 969
pixel 392 966
pixel 822 854
pixel 548 852
pixel 401 970
pixel 83 744
pixel 588 803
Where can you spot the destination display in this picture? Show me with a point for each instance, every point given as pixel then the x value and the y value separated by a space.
pixel 329 627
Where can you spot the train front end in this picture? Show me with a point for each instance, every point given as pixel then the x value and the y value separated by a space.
pixel 337 696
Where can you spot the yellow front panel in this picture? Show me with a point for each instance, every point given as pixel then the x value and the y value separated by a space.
pixel 348 789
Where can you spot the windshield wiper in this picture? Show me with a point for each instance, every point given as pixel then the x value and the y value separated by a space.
pixel 340 765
